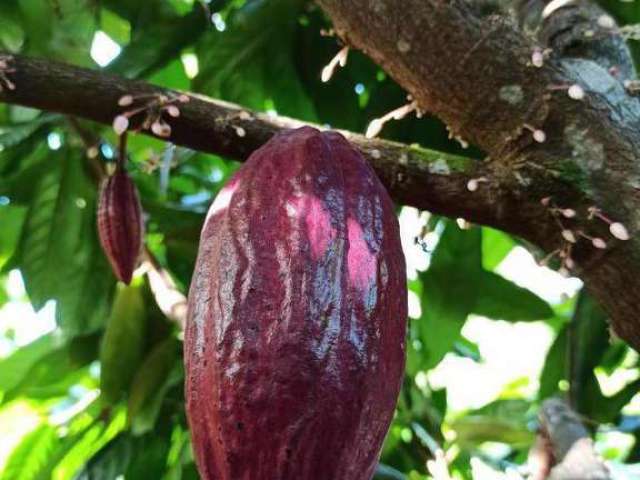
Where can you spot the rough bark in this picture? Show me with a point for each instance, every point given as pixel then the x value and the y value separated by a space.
pixel 489 93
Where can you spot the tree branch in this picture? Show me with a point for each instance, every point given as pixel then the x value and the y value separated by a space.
pixel 493 92
pixel 414 176
pixel 571 449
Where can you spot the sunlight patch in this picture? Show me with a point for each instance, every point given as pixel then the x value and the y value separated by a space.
pixel 104 49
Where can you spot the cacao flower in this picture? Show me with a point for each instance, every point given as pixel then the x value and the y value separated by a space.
pixel 295 337
pixel 120 226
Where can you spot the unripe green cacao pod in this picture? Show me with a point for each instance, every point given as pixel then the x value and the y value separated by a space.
pixel 294 346
pixel 122 343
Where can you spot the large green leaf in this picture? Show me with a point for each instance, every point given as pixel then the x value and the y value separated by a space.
pixel 502 299
pixel 555 367
pixel 62 29
pixel 251 62
pixel 54 373
pixel 450 288
pixel 588 342
pixel 14 368
pixel 34 452
pixel 42 450
pixel 160 370
pixel 93 439
pixel 449 297
pixel 59 254
pixel 159 35
pixel 496 246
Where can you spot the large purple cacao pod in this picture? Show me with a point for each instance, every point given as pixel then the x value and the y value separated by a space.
pixel 294 346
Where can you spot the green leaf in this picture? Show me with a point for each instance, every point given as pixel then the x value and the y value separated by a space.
pixel 496 245
pixel 12 135
pixel 589 337
pixel 93 439
pixel 459 248
pixel 502 299
pixel 609 408
pixel 555 366
pixel 150 456
pixel 58 30
pixel 175 222
pixel 14 368
pixel 450 289
pixel 160 370
pixel 41 451
pixel 54 373
pixel 614 356
pixel 468 349
pixel 449 297
pixel 123 342
pixel 111 461
pixel 157 39
pixel 588 340
pixel 11 32
pixel 251 62
pixel 32 455
pixel 4 295
pixel 11 219
pixel 20 165
pixel 116 27
pixel 59 254
pixel 173 76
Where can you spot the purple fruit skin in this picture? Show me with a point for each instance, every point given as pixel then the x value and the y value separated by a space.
pixel 295 341
pixel 120 225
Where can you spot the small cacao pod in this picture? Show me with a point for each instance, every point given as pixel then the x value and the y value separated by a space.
pixel 120 226
pixel 294 346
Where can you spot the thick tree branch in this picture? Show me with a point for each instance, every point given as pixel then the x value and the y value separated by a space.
pixel 492 91
pixel 414 176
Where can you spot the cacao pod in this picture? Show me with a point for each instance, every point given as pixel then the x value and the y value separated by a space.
pixel 294 346
pixel 122 342
pixel 120 226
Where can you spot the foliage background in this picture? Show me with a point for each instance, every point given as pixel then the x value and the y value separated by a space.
pixel 91 386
